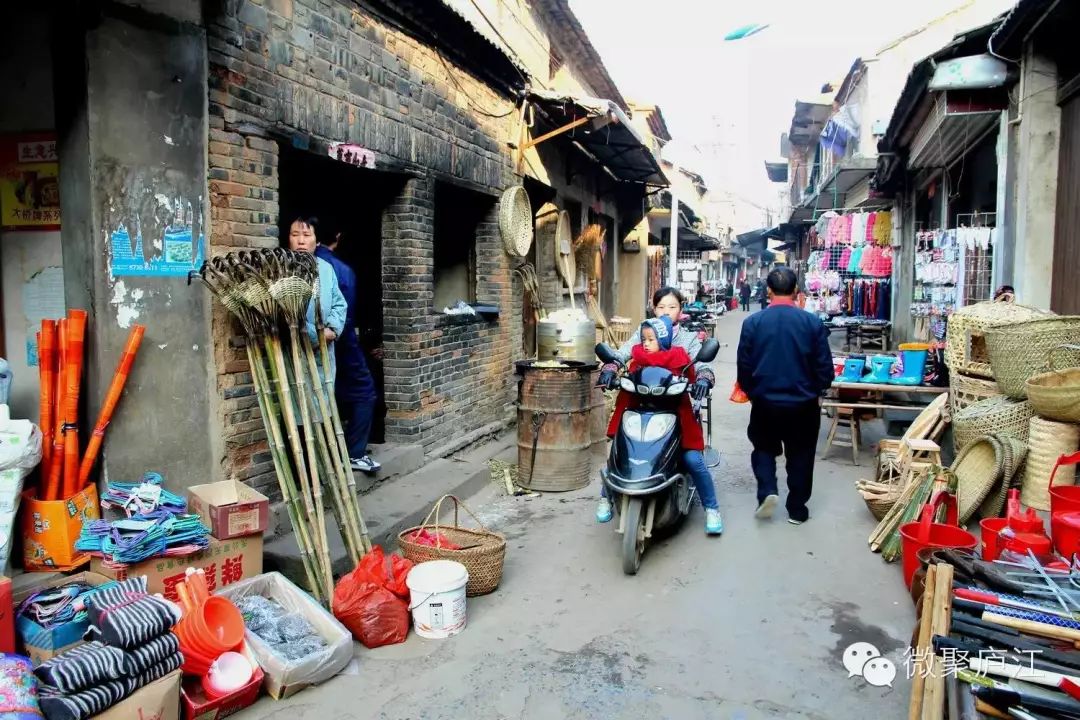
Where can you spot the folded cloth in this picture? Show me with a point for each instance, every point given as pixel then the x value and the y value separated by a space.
pixel 18 689
pixel 81 667
pixel 131 620
pixel 91 701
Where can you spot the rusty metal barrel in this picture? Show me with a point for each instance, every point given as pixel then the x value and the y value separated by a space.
pixel 555 425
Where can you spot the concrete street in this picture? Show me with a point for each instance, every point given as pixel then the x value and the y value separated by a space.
pixel 749 625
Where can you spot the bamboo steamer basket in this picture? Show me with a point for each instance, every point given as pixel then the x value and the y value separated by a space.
pixel 965 345
pixel 996 415
pixel 515 221
pixel 1018 352
pixel 966 390
pixel 1055 395
pixel 1047 441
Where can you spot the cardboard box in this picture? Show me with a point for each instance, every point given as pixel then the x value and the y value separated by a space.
pixel 160 700
pixel 7 617
pixel 39 643
pixel 197 706
pixel 230 508
pixel 225 562
pixel 51 527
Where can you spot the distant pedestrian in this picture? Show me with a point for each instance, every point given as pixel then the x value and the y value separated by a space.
pixel 784 366
pixel 763 294
pixel 744 296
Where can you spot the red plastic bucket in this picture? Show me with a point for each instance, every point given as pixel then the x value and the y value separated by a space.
pixel 1066 531
pixel 989 529
pixel 926 533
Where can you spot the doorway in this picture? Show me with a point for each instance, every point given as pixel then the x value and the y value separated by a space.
pixel 349 200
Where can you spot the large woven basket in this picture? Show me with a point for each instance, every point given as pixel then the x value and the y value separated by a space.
pixel 1055 395
pixel 965 346
pixel 998 415
pixel 482 551
pixel 1018 352
pixel 985 472
pixel 1048 440
pixel 516 221
pixel 965 390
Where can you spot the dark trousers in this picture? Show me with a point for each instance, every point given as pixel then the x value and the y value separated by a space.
pixel 791 431
pixel 746 304
pixel 356 416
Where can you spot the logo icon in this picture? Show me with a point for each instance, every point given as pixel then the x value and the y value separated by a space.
pixel 863 660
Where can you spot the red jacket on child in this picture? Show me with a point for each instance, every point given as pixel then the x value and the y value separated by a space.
pixel 676 360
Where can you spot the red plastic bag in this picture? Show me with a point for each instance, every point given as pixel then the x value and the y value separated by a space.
pixel 372 600
pixel 432 539
pixel 737 395
pixel 388 571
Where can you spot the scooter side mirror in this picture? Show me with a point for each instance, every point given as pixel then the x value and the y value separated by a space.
pixel 607 355
pixel 709 350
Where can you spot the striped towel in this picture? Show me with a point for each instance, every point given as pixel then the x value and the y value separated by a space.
pixel 128 620
pixel 91 701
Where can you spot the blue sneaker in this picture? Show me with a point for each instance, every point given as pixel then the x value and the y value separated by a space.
pixel 603 511
pixel 713 524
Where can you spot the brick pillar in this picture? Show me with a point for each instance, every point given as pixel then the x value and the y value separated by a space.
pixel 497 284
pixel 408 291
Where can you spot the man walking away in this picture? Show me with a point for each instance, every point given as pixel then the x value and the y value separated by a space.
pixel 744 296
pixel 355 388
pixel 784 366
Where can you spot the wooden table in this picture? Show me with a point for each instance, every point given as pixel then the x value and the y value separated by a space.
pixel 874 396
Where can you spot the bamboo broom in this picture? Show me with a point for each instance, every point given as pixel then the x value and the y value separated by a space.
pixel 112 398
pixel 76 338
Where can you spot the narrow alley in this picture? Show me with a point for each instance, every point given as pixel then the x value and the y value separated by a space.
pixel 746 626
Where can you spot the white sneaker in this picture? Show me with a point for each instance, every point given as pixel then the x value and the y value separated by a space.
pixel 365 464
pixel 767 506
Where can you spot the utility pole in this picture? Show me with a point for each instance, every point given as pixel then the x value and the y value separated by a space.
pixel 673 271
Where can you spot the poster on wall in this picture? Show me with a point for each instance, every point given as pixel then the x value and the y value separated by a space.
pixel 176 248
pixel 29 182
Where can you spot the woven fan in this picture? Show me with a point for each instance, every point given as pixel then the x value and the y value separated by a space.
pixel 587 250
pixel 515 221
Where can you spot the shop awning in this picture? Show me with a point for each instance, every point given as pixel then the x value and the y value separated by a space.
pixel 690 240
pixel 777 171
pixel 953 127
pixel 602 130
pixel 808 121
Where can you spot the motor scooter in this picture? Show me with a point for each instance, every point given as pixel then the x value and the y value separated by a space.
pixel 650 491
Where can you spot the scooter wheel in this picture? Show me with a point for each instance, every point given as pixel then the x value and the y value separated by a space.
pixel 633 543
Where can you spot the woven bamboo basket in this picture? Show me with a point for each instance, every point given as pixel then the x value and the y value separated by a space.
pixel 516 221
pixel 482 551
pixel 965 346
pixel 1055 395
pixel 623 329
pixel 1018 352
pixel 1048 440
pixel 977 468
pixel 965 390
pixel 998 415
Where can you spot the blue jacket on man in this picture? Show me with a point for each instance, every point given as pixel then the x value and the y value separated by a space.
pixel 784 356
pixel 354 381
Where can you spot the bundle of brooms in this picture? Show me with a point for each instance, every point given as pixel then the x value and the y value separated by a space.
pixel 269 292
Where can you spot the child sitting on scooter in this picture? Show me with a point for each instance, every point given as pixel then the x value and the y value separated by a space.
pixel 656 350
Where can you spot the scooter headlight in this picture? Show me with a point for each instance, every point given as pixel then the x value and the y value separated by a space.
pixel 676 388
pixel 655 427
pixel 627 384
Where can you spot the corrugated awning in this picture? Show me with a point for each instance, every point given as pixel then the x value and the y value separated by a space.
pixel 951 129
pixel 777 171
pixel 848 173
pixel 602 130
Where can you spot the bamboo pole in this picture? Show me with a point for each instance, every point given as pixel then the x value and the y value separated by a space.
pixel 918 682
pixel 934 689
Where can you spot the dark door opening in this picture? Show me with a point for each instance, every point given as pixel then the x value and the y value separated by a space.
pixel 349 200
pixel 458 214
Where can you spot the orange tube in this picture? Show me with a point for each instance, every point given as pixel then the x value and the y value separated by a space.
pixel 47 374
pixel 116 389
pixel 56 461
pixel 73 371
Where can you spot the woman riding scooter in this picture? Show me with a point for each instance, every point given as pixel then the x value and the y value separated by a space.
pixel 668 302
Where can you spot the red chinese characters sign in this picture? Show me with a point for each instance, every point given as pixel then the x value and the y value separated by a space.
pixel 29 182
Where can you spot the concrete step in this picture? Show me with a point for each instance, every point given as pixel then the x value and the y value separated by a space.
pixel 389 508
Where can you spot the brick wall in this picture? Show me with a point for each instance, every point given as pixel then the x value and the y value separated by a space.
pixel 320 71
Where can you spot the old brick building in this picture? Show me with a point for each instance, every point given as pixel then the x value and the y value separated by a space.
pixel 398 123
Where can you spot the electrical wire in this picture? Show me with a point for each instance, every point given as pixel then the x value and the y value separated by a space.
pixel 476 106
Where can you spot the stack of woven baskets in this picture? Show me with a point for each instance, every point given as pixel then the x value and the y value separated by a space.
pixel 1015 372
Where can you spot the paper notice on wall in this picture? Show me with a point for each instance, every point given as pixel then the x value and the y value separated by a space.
pixel 42 299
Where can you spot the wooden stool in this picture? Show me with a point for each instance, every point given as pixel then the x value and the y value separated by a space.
pixel 848 419
pixel 922 451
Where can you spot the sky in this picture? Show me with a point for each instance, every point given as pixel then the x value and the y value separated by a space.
pixel 732 100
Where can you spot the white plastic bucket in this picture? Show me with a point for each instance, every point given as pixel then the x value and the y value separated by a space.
pixel 437 598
